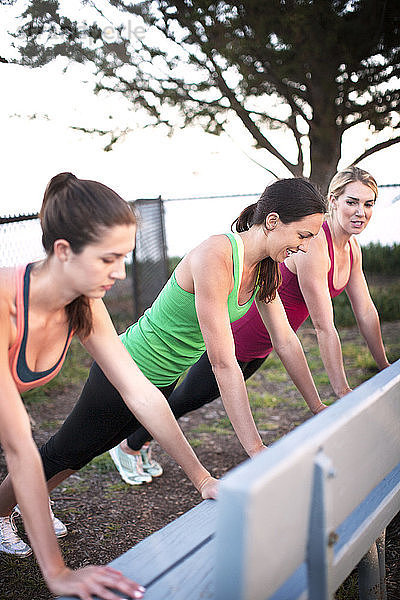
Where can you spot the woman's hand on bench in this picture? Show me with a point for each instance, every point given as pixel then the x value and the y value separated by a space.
pixel 208 488
pixel 91 580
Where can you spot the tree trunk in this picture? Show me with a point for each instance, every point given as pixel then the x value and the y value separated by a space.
pixel 325 137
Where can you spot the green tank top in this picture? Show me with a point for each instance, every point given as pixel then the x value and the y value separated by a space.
pixel 167 338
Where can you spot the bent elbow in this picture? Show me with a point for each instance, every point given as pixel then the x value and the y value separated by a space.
pixel 222 364
pixel 323 328
pixel 284 343
pixel 17 449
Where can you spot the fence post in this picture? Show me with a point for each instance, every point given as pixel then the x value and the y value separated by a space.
pixel 149 259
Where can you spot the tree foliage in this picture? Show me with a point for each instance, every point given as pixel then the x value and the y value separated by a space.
pixel 314 68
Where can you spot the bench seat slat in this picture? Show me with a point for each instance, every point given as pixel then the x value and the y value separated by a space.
pixel 158 553
pixel 169 545
pixel 191 579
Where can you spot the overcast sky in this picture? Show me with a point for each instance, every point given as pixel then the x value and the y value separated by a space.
pixel 146 162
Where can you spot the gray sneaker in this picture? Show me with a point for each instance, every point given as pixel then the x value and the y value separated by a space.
pixel 59 528
pixel 130 466
pixel 10 542
pixel 150 466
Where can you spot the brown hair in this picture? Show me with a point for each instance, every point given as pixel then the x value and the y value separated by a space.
pixel 292 199
pixel 79 211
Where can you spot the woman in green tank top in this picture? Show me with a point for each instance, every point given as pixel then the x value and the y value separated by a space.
pixel 211 287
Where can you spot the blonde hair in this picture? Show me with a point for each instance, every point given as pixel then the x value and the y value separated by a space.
pixel 349 175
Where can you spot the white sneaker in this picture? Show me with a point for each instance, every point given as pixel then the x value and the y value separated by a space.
pixel 150 466
pixel 59 528
pixel 10 542
pixel 130 466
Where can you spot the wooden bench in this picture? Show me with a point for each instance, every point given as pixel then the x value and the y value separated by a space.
pixel 292 523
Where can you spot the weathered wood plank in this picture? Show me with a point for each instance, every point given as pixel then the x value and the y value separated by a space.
pixel 169 545
pixel 157 554
pixel 191 579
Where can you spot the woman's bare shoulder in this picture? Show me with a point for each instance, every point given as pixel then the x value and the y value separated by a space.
pixel 214 248
pixel 316 258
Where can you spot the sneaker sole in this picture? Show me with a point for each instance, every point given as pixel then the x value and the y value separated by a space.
pixel 61 535
pixel 153 474
pixel 58 535
pixel 25 555
pixel 121 470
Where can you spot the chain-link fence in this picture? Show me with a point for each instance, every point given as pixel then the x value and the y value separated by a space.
pixel 20 236
pixel 20 240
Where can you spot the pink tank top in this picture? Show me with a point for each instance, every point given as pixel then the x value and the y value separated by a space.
pixel 24 378
pixel 251 337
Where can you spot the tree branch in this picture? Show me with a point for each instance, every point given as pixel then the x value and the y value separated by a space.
pixel 376 148
pixel 250 125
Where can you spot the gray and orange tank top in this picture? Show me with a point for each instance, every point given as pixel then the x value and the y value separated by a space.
pixel 24 378
pixel 167 339
pixel 252 340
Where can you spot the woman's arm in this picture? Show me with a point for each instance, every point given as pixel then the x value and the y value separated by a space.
pixel 211 268
pixel 27 476
pixel 364 309
pixel 312 269
pixel 287 346
pixel 144 400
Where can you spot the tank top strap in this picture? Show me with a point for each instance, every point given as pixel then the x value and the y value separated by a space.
pixel 19 299
pixel 351 256
pixel 238 257
pixel 20 271
pixel 331 253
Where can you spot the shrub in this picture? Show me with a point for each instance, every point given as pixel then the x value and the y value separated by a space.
pixel 384 260
pixel 386 299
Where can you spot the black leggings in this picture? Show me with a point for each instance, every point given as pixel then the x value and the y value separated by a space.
pixel 99 421
pixel 197 389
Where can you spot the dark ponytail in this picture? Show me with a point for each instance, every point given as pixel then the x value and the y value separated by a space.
pixel 292 199
pixel 79 211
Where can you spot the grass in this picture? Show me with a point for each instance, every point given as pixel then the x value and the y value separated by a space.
pixel 194 442
pixel 74 486
pixel 262 400
pixel 220 427
pixel 102 464
pixel 277 376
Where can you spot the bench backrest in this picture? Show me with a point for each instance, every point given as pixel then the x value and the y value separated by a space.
pixel 280 513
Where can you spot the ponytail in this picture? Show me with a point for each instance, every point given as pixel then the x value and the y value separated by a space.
pixel 292 199
pixel 245 219
pixel 80 318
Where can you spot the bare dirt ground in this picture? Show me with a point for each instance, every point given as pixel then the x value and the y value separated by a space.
pixel 106 517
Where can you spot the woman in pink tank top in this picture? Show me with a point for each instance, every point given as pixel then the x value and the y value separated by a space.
pixel 310 280
pixel 87 231
pixel 333 264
